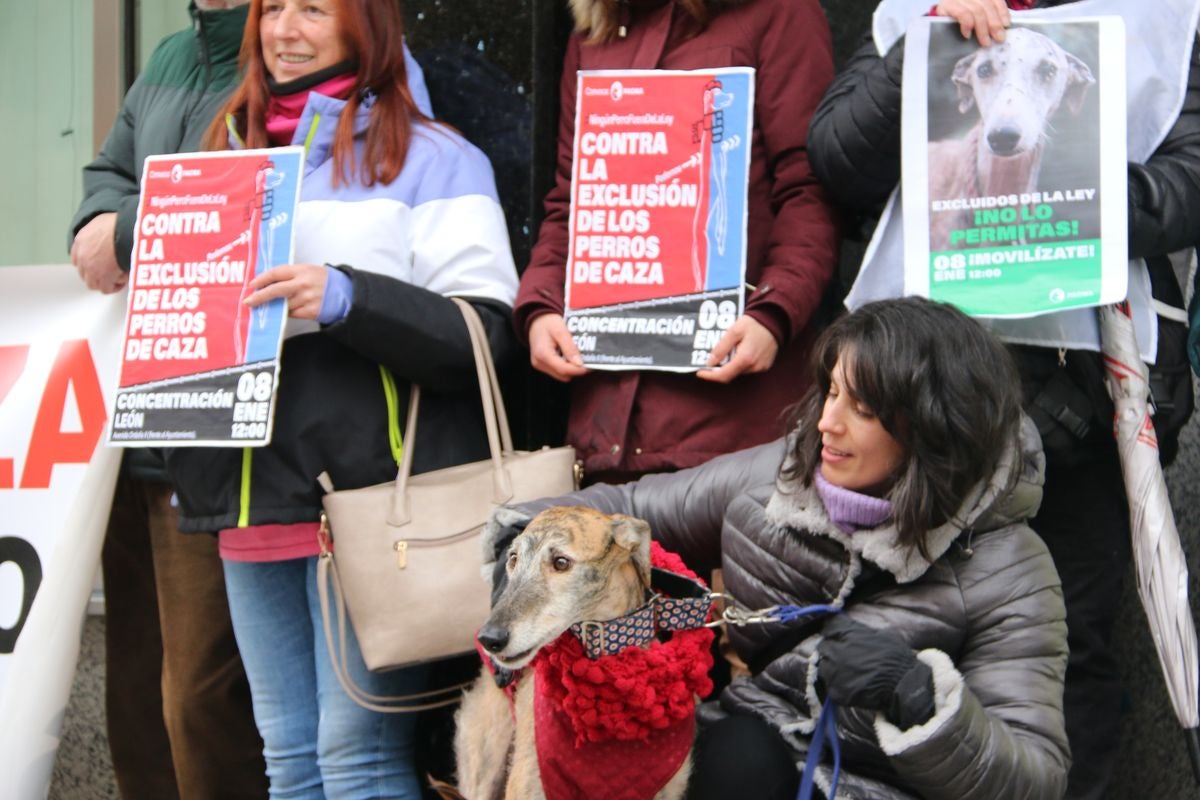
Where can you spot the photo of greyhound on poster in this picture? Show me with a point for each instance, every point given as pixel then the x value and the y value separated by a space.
pixel 1007 121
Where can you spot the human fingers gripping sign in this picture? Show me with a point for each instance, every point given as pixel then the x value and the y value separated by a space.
pixel 987 19
pixel 552 350
pixel 94 256
pixel 753 347
pixel 302 286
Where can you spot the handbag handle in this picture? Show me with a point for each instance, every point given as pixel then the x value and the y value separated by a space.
pixel 485 369
pixel 495 419
pixel 435 698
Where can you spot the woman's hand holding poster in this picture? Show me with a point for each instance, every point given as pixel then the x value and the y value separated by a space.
pixel 1023 210
pixel 658 215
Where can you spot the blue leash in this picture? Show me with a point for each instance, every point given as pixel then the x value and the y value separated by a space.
pixel 825 731
pixel 789 613
pixel 826 728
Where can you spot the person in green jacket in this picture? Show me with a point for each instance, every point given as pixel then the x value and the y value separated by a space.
pixel 167 617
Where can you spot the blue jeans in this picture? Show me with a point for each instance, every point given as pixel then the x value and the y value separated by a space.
pixel 318 743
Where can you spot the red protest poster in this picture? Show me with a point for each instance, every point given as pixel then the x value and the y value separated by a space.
pixel 198 366
pixel 658 200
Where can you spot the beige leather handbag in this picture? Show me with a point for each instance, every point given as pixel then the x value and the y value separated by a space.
pixel 406 555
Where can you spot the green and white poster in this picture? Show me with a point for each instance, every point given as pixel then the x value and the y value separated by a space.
pixel 1023 211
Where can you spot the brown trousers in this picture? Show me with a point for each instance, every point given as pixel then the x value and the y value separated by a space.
pixel 179 718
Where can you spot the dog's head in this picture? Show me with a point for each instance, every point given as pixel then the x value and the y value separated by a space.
pixel 570 564
pixel 1018 85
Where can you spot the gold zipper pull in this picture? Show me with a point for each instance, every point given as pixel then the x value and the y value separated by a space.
pixel 401 548
pixel 323 536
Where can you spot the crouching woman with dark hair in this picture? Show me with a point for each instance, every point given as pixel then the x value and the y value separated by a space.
pixel 900 498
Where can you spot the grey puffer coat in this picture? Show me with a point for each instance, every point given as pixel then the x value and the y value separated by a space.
pixel 987 616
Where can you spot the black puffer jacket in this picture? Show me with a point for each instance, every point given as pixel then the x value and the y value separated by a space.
pixel 854 148
pixel 986 615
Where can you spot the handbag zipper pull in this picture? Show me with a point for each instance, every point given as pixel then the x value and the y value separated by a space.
pixel 323 535
pixel 401 548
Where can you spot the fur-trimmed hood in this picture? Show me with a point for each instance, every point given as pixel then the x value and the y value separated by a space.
pixel 1013 493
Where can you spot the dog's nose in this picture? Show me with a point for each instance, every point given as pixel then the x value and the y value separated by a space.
pixel 1003 141
pixel 493 638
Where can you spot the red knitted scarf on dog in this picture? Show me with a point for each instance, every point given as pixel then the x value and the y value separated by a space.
pixel 619 726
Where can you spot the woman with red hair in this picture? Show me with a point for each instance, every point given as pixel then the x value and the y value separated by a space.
pixel 407 211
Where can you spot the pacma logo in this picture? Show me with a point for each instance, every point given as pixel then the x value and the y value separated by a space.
pixel 616 90
pixel 177 173
pixel 619 90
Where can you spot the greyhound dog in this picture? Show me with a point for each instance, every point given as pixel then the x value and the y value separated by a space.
pixel 570 565
pixel 1017 87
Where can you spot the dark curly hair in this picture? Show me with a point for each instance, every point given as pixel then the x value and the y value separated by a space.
pixel 939 383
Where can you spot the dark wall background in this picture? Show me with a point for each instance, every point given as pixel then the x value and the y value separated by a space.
pixel 493 70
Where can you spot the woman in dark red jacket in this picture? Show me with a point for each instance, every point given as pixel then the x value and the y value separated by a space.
pixel 627 423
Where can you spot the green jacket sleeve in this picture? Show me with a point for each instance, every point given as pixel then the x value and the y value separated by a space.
pixel 110 182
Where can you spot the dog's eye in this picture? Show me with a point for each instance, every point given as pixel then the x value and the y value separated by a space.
pixel 1046 71
pixel 985 70
pixel 512 560
pixel 561 563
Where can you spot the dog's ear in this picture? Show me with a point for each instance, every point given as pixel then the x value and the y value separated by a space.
pixel 1079 79
pixel 962 82
pixel 633 534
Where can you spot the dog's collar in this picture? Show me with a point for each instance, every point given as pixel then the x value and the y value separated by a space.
pixel 678 603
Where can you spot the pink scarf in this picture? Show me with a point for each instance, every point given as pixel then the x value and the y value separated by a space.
pixel 285 107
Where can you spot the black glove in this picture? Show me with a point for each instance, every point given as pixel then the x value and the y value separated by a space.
pixel 868 668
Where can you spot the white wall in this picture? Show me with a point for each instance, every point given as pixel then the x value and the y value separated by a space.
pixel 46 134
pixel 156 19
pixel 46 109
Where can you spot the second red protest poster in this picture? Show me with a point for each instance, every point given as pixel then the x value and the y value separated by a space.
pixel 658 215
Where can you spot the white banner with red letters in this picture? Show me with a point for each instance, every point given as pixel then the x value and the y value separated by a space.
pixel 59 349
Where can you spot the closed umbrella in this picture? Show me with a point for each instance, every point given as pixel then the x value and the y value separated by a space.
pixel 1162 576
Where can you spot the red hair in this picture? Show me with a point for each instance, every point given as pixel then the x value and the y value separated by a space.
pixel 372 31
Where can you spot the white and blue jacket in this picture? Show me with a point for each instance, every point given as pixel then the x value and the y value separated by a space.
pixel 436 231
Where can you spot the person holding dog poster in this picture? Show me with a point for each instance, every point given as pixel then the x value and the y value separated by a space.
pixel 1084 518
pixel 1011 223
pixel 627 423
